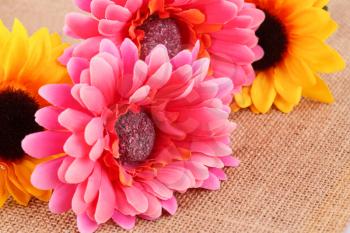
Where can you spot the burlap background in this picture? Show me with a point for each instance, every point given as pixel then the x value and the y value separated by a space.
pixel 295 172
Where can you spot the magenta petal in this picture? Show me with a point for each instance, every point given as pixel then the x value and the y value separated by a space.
pixel 170 205
pixel 127 222
pixel 79 170
pixel 61 198
pixel 85 224
pixel 44 144
pixel 106 201
pixel 45 176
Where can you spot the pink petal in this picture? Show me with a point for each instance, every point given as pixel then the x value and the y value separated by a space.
pixel 93 184
pixel 102 77
pixel 140 94
pixel 94 131
pixel 117 12
pixel 67 161
pixel 106 201
pixel 127 222
pixel 59 95
pixel 98 8
pixel 61 198
pixel 160 77
pixel 158 189
pixel 45 175
pixel 230 161
pixel 79 170
pixel 212 183
pixel 170 205
pixel 219 173
pixel 83 4
pixel 81 25
pixel 47 118
pixel 97 150
pixel 44 144
pixel 85 224
pixel 75 66
pixel 74 120
pixel 157 57
pixel 93 99
pixel 136 198
pixel 78 204
pixel 76 146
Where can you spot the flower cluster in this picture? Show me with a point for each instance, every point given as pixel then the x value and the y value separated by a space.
pixel 138 109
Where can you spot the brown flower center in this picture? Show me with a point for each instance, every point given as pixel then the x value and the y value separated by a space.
pixel 161 31
pixel 136 135
pixel 17 120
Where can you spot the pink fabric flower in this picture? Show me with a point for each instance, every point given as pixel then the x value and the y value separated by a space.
pixel 225 28
pixel 129 133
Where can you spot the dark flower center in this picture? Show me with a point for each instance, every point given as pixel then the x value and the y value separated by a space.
pixel 273 39
pixel 136 135
pixel 17 120
pixel 161 31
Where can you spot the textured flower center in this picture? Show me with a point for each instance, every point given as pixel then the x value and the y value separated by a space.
pixel 161 31
pixel 17 111
pixel 136 135
pixel 274 40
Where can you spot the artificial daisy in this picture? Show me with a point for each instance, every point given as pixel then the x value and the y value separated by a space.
pixel 26 63
pixel 225 28
pixel 132 133
pixel 293 37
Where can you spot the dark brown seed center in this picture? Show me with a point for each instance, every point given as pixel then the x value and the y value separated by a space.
pixel 17 119
pixel 136 135
pixel 273 39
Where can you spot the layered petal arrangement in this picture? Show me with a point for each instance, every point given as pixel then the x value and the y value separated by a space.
pixel 131 133
pixel 225 28
pixel 27 63
pixel 293 37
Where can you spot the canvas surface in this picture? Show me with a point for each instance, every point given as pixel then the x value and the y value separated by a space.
pixel 295 171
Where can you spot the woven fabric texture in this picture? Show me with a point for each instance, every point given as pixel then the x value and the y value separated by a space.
pixel 295 170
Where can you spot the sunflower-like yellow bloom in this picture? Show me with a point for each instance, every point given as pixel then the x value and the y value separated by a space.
pixel 293 37
pixel 26 63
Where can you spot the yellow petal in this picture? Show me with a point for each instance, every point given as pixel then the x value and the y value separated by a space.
pixel 299 71
pixel 319 56
pixel 16 52
pixel 285 87
pixel 319 92
pixel 4 195
pixel 312 22
pixel 18 194
pixel 23 174
pixel 242 99
pixel 321 3
pixel 263 92
pixel 283 105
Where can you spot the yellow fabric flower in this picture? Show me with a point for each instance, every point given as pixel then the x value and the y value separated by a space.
pixel 26 63
pixel 293 37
